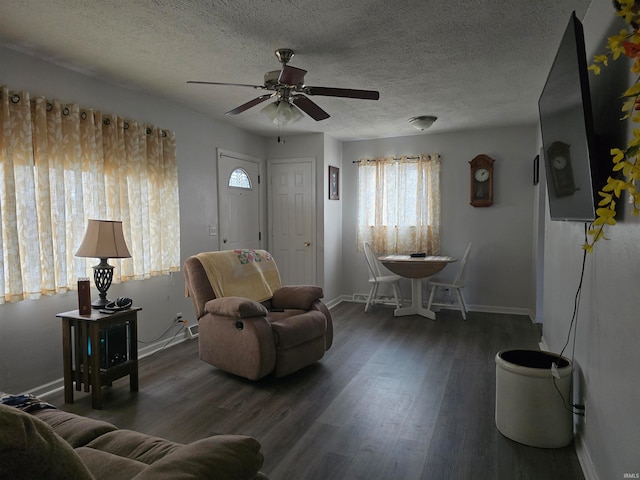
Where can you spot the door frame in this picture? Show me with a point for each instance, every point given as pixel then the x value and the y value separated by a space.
pixel 220 152
pixel 314 206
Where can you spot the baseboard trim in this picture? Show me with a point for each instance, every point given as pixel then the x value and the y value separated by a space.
pixel 543 344
pixel 362 298
pixel 584 457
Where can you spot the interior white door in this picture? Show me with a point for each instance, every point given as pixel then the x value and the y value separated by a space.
pixel 238 202
pixel 292 220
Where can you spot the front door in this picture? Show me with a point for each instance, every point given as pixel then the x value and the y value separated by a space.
pixel 238 201
pixel 292 219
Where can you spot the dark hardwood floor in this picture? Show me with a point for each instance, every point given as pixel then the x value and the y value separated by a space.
pixel 394 398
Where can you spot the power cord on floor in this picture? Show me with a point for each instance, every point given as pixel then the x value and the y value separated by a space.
pixel 178 321
pixel 181 329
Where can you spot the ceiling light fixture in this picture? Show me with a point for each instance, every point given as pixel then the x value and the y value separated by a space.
pixel 423 122
pixel 282 113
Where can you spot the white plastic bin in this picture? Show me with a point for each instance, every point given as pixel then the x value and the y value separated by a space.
pixel 529 407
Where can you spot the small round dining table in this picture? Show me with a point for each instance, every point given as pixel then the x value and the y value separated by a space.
pixel 415 268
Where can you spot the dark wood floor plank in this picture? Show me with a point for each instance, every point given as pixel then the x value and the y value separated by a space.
pixel 394 398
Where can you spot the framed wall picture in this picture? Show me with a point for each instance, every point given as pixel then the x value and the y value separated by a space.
pixel 334 183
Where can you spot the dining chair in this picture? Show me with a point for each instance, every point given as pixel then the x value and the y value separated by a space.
pixel 457 284
pixel 376 279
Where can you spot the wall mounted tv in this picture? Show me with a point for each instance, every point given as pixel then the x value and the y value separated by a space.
pixel 568 140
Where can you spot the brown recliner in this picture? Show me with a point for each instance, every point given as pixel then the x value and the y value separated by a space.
pixel 251 338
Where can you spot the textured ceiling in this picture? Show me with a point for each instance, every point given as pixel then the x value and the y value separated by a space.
pixel 470 63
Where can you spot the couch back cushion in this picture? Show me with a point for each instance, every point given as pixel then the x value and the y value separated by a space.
pixel 77 431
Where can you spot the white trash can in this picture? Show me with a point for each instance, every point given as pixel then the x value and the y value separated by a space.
pixel 532 406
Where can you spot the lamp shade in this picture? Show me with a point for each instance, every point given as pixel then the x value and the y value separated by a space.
pixel 103 239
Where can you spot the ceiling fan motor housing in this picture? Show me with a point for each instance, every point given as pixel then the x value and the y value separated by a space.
pixel 271 79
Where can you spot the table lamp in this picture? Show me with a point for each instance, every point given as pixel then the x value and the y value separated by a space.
pixel 103 239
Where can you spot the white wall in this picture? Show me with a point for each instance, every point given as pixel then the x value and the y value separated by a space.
pixel 607 354
pixel 500 269
pixel 30 334
pixel 333 286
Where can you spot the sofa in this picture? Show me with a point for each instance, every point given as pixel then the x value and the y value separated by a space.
pixel 249 324
pixel 39 441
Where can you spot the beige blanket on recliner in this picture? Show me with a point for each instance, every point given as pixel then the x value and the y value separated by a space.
pixel 241 273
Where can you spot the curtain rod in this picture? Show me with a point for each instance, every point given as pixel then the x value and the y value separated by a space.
pixel 397 159
pixel 15 98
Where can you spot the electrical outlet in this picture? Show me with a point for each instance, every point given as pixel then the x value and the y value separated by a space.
pixel 213 231
pixel 178 318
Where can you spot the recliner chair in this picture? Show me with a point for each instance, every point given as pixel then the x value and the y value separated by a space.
pixel 255 337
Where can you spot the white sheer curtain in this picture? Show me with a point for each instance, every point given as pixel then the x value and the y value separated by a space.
pixel 399 204
pixel 62 165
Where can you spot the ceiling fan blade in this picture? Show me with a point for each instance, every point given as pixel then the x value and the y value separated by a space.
pixel 310 108
pixel 291 76
pixel 343 92
pixel 228 84
pixel 248 105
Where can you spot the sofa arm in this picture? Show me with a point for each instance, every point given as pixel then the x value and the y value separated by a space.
pixel 297 297
pixel 235 307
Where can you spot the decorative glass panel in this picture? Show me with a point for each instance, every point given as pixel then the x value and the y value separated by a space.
pixel 240 179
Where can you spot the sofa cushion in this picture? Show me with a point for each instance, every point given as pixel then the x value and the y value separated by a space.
pixel 222 457
pixel 106 466
pixel 29 448
pixel 298 296
pixel 298 329
pixel 76 430
pixel 134 445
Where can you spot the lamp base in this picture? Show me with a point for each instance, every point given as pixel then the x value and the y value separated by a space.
pixel 102 276
pixel 100 303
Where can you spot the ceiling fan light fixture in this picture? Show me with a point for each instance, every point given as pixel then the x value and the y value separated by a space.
pixel 270 111
pixel 422 122
pixel 287 113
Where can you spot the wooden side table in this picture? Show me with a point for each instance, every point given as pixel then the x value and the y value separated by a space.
pixel 98 349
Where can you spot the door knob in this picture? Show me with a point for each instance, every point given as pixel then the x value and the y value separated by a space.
pixel 307 244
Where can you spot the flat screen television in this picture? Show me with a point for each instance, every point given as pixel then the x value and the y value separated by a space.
pixel 568 140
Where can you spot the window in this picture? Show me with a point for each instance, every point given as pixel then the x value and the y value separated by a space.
pixel 399 204
pixel 61 165
pixel 240 179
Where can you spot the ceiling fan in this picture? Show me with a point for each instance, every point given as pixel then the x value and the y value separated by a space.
pixel 287 85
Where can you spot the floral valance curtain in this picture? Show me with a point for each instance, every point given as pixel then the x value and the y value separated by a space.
pixel 399 204
pixel 62 165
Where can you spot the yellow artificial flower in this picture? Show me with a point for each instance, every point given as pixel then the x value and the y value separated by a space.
pixel 632 91
pixel 604 59
pixel 636 138
pixel 594 68
pixel 605 215
pixel 606 199
pixel 627 161
pixel 588 247
pixel 615 43
pixel 617 154
pixel 626 10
